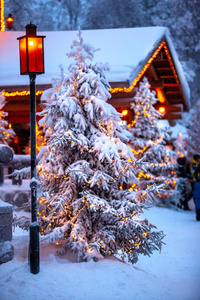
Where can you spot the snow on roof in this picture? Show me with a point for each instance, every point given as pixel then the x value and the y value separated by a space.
pixel 175 130
pixel 125 49
pixel 178 128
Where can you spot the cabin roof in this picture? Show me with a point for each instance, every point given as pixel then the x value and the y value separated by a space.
pixel 127 51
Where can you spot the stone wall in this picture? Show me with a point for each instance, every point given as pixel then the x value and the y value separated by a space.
pixel 15 197
pixel 6 217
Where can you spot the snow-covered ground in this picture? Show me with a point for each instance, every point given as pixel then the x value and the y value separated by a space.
pixel 172 274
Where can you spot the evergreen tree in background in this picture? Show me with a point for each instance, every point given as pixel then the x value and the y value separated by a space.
pixel 113 14
pixel 6 133
pixel 180 146
pixel 22 11
pixel 192 141
pixel 73 8
pixel 148 141
pixel 85 163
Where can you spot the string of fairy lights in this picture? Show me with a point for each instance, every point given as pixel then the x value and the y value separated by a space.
pixel 117 89
pixel 2 23
pixel 20 93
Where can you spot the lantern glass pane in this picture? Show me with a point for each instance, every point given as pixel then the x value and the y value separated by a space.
pixel 35 55
pixel 23 60
pixel 9 22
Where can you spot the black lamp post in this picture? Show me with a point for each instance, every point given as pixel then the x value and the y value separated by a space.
pixel 32 64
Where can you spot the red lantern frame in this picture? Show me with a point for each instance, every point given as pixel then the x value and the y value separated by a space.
pixel 31 49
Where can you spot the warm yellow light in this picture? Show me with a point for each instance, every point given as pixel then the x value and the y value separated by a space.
pixel 125 112
pixel 130 88
pixel 161 109
pixel 2 24
pixel 139 151
pixel 22 93
pixel 160 95
pixel 30 43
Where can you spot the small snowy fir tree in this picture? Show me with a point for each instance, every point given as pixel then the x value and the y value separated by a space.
pixel 183 187
pixel 148 141
pixel 180 146
pixel 192 141
pixel 83 166
pixel 6 133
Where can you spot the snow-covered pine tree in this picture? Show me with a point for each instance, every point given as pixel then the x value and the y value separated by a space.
pixel 183 187
pixel 148 141
pixel 6 133
pixel 85 162
pixel 180 145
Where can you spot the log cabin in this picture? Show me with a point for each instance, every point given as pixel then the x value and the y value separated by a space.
pixel 132 53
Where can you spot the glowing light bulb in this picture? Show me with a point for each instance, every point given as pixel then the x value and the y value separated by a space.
pixel 161 109
pixel 125 112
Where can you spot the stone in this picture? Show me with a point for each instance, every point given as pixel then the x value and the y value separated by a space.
pixel 8 197
pixel 20 198
pixel 6 154
pixel 6 218
pixel 6 252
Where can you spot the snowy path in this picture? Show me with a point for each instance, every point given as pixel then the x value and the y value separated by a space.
pixel 174 274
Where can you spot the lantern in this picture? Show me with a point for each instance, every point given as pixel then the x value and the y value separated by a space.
pixel 31 49
pixel 9 22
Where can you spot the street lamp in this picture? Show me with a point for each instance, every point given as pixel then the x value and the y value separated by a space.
pixel 9 22
pixel 31 49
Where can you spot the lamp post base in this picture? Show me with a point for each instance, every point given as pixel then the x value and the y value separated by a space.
pixel 34 251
